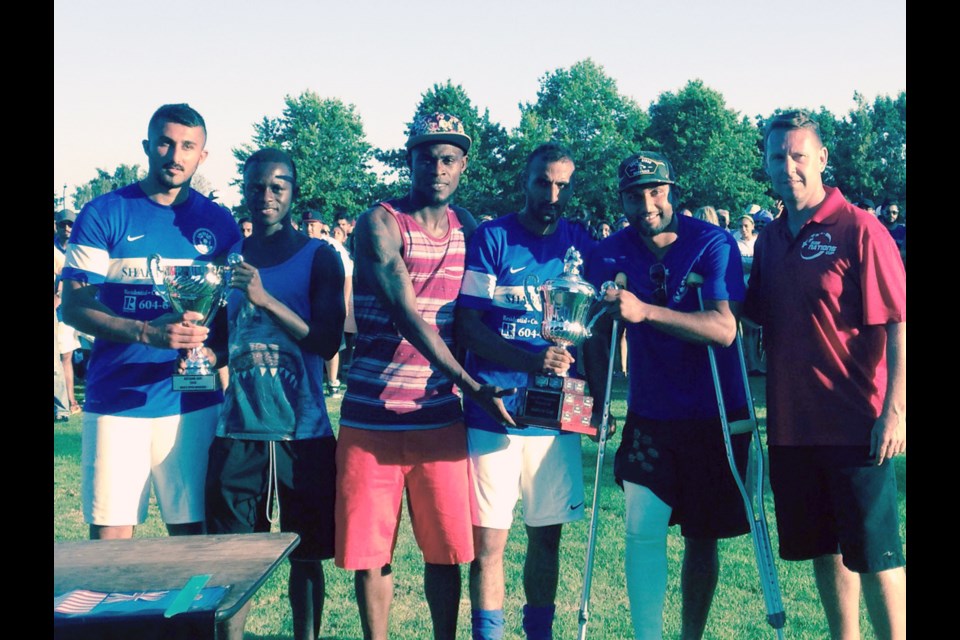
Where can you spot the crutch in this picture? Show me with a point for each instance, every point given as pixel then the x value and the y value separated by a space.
pixel 621 281
pixel 759 533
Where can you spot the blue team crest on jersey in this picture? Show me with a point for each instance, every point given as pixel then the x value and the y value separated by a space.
pixel 204 241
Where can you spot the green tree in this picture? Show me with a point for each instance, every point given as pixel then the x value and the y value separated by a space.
pixel 326 140
pixel 582 108
pixel 105 182
pixel 868 147
pixel 869 152
pixel 482 188
pixel 713 149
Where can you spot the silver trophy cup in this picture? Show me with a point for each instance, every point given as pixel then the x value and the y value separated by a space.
pixel 200 288
pixel 566 302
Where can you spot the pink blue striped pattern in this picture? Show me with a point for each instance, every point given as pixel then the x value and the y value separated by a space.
pixel 391 385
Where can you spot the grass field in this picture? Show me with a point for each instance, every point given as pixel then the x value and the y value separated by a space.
pixel 737 613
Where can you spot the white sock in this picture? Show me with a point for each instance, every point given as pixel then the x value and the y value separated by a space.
pixel 647 520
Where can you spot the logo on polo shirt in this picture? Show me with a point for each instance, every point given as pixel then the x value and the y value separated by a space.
pixel 818 244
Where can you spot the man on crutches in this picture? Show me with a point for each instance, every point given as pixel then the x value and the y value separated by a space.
pixel 829 288
pixel 671 460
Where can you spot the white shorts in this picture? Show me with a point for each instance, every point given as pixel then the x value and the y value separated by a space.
pixel 67 338
pixel 545 470
pixel 120 456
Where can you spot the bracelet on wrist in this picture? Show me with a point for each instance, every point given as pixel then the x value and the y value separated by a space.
pixel 143 333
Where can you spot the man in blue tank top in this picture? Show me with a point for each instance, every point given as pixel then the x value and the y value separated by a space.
pixel 284 314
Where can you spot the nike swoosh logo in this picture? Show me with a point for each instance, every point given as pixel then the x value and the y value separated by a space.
pixel 517 270
pixel 135 238
pixel 574 507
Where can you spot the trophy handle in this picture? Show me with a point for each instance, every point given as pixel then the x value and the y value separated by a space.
pixel 233 260
pixel 609 284
pixel 526 291
pixel 155 271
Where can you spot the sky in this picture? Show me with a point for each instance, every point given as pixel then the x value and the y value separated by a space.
pixel 116 61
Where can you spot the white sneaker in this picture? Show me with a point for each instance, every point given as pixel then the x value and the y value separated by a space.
pixel 333 388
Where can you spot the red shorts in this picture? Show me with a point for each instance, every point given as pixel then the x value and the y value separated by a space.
pixel 374 467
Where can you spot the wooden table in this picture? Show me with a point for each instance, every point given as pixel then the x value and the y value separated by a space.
pixel 243 561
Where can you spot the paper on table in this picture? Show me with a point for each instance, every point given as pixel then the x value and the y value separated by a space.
pixel 83 602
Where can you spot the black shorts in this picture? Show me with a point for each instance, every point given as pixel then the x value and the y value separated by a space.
pixel 684 462
pixel 836 500
pixel 237 482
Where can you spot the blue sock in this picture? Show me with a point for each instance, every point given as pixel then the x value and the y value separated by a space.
pixel 538 622
pixel 487 624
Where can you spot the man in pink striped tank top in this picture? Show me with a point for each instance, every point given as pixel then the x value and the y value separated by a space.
pixel 401 426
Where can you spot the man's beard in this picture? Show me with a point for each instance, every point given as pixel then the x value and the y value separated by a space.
pixel 172 181
pixel 548 214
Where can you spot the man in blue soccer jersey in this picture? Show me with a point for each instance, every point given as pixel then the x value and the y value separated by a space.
pixel 671 461
pixel 136 429
pixel 502 335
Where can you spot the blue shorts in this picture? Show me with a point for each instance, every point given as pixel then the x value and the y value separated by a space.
pixel 836 500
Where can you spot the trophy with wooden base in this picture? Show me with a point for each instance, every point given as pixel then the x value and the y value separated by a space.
pixel 550 400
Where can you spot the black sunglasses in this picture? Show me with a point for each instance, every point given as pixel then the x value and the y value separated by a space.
pixel 658 275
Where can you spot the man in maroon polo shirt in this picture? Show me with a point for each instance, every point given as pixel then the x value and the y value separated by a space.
pixel 829 288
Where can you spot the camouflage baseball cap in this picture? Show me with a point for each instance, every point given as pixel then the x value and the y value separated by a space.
pixel 646 167
pixel 439 128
